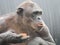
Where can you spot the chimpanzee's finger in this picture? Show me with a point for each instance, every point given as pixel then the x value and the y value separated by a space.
pixel 26 37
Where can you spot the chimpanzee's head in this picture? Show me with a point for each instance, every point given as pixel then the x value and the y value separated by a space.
pixel 30 13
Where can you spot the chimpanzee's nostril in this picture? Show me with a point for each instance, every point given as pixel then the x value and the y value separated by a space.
pixel 38 18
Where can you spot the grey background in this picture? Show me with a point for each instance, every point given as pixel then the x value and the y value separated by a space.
pixel 51 13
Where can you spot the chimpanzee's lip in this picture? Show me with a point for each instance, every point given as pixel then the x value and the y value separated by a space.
pixel 39 24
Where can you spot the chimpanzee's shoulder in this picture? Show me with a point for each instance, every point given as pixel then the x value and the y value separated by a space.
pixel 6 17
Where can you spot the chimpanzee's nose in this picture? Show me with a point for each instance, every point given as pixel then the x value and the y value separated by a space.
pixel 38 18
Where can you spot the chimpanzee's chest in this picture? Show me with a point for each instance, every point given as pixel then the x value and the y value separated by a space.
pixel 22 29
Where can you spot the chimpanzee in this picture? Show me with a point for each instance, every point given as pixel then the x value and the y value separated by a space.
pixel 27 19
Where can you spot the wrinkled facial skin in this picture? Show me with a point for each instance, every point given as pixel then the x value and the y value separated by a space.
pixel 31 14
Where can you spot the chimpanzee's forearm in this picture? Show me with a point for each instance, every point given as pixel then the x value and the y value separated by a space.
pixel 10 37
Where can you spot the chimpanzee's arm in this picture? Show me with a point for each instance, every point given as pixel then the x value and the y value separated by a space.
pixel 11 37
pixel 45 36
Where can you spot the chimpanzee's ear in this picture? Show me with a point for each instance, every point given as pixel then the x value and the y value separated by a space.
pixel 20 11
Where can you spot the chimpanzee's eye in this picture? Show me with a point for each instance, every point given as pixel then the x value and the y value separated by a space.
pixel 37 12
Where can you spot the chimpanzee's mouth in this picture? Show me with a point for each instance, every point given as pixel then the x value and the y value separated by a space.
pixel 37 26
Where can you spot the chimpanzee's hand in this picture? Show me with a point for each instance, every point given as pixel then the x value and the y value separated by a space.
pixel 12 37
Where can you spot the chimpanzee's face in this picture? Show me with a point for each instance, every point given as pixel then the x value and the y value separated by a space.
pixel 31 14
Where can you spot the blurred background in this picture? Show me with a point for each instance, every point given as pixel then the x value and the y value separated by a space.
pixel 51 13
